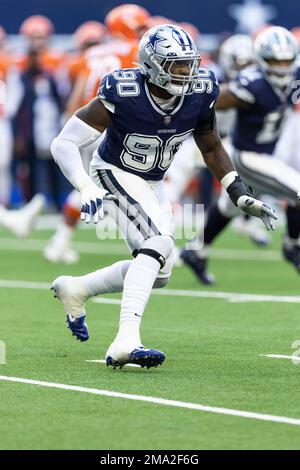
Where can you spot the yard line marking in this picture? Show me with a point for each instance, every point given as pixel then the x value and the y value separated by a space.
pixel 263 298
pixel 229 296
pixel 108 248
pixel 12 284
pixel 82 247
pixel 158 401
pixel 102 361
pixel 281 356
pixel 99 300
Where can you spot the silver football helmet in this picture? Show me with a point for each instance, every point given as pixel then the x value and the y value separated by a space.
pixel 277 44
pixel 236 53
pixel 163 48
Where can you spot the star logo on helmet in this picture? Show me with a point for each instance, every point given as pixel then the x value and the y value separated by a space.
pixel 155 38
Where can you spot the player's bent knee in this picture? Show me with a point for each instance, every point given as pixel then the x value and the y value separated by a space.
pixel 160 248
pixel 162 244
pixel 161 282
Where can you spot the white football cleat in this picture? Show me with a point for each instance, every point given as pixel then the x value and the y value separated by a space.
pixel 20 222
pixel 72 293
pixel 60 252
pixel 58 249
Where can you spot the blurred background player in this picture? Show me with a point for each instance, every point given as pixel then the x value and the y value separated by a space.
pixel 19 222
pixel 36 118
pixel 37 31
pixel 261 94
pixel 125 25
pixel 288 151
pixel 235 54
pixel 87 35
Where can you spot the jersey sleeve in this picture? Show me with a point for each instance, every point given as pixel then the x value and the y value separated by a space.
pixel 245 85
pixel 107 93
pixel 207 115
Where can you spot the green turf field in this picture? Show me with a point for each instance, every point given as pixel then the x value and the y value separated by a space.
pixel 214 349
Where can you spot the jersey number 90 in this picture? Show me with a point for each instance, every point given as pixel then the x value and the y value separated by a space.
pixel 144 152
pixel 126 86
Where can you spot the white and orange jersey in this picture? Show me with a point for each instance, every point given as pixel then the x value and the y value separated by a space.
pixel 87 35
pixel 98 61
pixel 49 59
pixel 75 64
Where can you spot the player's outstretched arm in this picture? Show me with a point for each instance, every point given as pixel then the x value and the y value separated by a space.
pixel 81 130
pixel 227 100
pixel 219 163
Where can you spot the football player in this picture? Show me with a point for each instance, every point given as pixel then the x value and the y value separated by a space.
pixel 37 31
pixel 87 35
pixel 235 54
pixel 261 95
pixel 144 116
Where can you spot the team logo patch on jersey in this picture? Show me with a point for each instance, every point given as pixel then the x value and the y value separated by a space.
pixel 167 120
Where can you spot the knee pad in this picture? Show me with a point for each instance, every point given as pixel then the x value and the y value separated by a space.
pixel 159 247
pixel 163 244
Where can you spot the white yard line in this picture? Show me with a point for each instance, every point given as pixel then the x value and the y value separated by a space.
pixel 108 248
pixel 158 401
pixel 102 361
pixel 12 284
pixel 102 300
pixel 281 356
pixel 93 248
pixel 229 296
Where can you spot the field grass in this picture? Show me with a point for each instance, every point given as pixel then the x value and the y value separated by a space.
pixel 214 351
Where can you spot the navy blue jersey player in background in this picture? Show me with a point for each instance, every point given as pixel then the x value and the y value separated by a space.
pixel 261 95
pixel 144 114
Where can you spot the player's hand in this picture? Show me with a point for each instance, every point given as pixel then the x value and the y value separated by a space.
pixel 254 207
pixel 92 201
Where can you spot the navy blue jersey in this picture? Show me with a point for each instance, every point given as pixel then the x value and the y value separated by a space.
pixel 225 118
pixel 144 138
pixel 258 127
